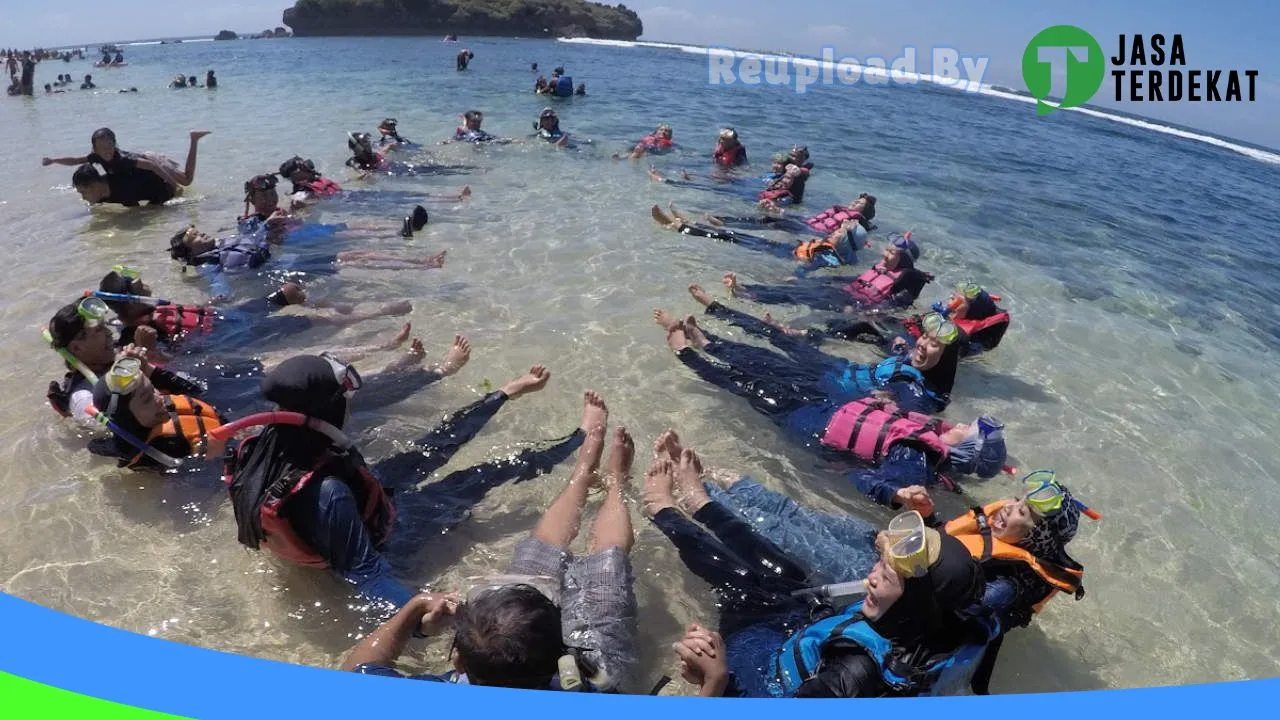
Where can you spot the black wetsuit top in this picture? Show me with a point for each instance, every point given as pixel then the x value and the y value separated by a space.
pixel 132 189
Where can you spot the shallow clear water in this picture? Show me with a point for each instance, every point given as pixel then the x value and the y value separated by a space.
pixel 1139 269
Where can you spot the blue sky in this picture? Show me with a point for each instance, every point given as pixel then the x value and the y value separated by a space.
pixel 1217 35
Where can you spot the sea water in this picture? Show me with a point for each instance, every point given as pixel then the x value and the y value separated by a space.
pixel 1137 261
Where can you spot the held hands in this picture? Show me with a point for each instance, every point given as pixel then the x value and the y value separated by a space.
pixel 703 661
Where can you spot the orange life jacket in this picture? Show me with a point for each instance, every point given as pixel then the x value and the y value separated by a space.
pixel 973 531
pixel 807 249
pixel 189 419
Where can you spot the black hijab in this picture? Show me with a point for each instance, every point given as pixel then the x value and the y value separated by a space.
pixel 305 384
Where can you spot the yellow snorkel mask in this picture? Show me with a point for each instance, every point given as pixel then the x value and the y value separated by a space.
pixel 912 546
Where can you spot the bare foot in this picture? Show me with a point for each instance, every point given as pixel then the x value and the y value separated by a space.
pixel 667 446
pixel 197 134
pixel 768 320
pixel 595 414
pixel 655 176
pixel 395 309
pixel 676 339
pixel 713 221
pixel 457 356
pixel 693 333
pixel 656 495
pixel 660 217
pixel 689 477
pixel 592 449
pixel 532 381
pixel 399 339
pixel 411 359
pixel 684 175
pixel 731 283
pixel 621 453
pixel 702 296
pixel 435 262
pixel 664 319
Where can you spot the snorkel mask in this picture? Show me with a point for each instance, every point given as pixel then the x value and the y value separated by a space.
pixel 259 183
pixel 729 134
pixel 345 374
pixel 944 331
pixel 123 378
pixel 908 547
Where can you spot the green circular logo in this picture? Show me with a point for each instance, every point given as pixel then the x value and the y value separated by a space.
pixel 1069 52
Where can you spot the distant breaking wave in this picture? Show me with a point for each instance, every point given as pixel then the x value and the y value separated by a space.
pixel 1265 156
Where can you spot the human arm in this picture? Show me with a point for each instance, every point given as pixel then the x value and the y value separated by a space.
pixel 424 614
pixel 69 161
pixel 902 469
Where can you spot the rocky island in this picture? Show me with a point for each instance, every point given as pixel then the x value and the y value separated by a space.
pixel 521 18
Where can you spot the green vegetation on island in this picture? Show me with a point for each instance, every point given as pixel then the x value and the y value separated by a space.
pixel 523 18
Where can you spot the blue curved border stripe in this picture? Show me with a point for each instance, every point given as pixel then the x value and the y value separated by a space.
pixel 65 653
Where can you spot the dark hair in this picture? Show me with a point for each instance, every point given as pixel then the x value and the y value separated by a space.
pixel 65 325
pixel 101 133
pixel 117 284
pixel 178 249
pixel 868 210
pixel 473 115
pixel 510 637
pixel 86 175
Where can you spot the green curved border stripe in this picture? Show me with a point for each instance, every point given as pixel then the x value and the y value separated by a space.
pixel 21 699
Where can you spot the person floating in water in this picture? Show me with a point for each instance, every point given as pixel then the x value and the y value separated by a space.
pixel 464 58
pixel 390 139
pixel 88 83
pixel 582 90
pixel 659 142
pixel 130 178
pixel 366 161
pixel 309 187
pixel 470 131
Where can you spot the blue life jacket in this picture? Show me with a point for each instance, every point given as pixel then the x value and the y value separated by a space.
pixel 857 379
pixel 800 657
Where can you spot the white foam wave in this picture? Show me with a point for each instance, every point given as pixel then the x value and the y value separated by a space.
pixel 1265 156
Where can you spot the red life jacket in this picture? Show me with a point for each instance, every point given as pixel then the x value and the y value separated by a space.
pixel 875 285
pixel 178 319
pixel 729 157
pixel 375 507
pixel 865 428
pixel 324 187
pixel 656 142
pixel 988 331
pixel 830 220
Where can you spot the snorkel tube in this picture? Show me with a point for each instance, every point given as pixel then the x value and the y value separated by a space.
pixel 119 297
pixel 69 359
pixel 834 591
pixel 282 417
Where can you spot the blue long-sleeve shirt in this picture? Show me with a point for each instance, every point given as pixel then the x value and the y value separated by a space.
pixel 329 522
pixel 901 467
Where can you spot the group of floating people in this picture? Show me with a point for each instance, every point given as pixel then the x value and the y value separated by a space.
pixel 181 81
pixel 812 603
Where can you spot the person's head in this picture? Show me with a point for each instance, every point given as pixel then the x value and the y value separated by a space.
pixel 190 243
pixel 664 131
pixel 558 71
pixel 126 281
pixel 361 145
pixel 208 74
pixel 387 128
pixel 473 119
pixel 799 155
pixel 779 163
pixel 260 192
pixel 298 170
pixel 318 386
pixel 582 89
pixel 540 83
pixel 129 399
pixel 89 80
pixel 1054 514
pixel 548 120
pixel 728 137
pixel 508 636
pixel 901 252
pixel 103 140
pixel 288 294
pixel 48 87
pixel 81 329
pixel 865 204
pixel 936 337
pixel 191 80
pixel 938 576
pixel 971 301
pixel 91 185
pixel 977 448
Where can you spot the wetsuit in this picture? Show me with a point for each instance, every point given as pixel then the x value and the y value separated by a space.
pixel 832 294
pixel 134 188
pixel 844 253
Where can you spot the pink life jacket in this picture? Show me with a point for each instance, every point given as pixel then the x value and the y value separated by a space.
pixel 655 142
pixel 873 286
pixel 868 430
pixel 830 220
pixel 729 158
pixel 324 187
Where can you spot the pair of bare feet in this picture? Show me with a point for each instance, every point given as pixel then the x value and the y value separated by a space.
pixel 454 358
pixel 675 478
pixel 622 449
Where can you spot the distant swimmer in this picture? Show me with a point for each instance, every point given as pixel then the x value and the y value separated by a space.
pixel 210 81
pixel 390 138
pixel 582 90
pixel 464 58
pixel 470 131
pixel 367 161
pixel 88 83
pixel 659 142
pixel 179 81
pixel 534 67
pixel 729 152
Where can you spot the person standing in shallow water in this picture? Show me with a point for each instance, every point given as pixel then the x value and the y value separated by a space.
pixel 210 81
pixel 464 58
